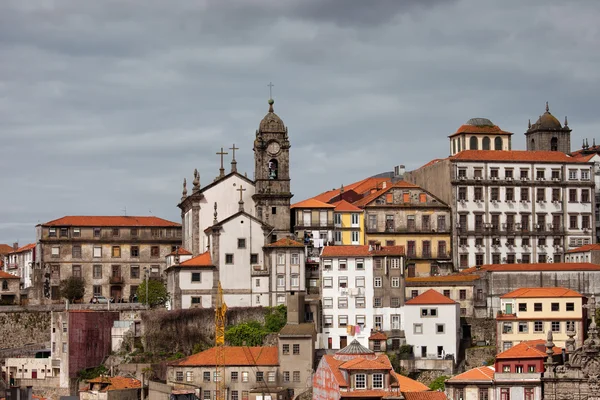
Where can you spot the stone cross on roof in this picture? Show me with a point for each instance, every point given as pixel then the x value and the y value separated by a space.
pixel 233 162
pixel 241 202
pixel 222 170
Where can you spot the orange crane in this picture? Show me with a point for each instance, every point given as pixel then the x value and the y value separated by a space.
pixel 220 311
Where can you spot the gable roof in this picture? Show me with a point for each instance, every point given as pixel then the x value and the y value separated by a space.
pixel 480 374
pixel 201 260
pixel 541 292
pixel 344 206
pixel 431 296
pixel 237 214
pixel 5 249
pixel 180 251
pixel 219 180
pixel 117 383
pixel 378 336
pixel 98 221
pixel 534 267
pixel 409 385
pixel 234 356
pixel 360 187
pixel 312 203
pixel 516 155
pixel 423 395
pixel 21 249
pixel 585 247
pixel 528 349
pixel 285 242
pixel 382 362
pixel 370 197
pixel 6 275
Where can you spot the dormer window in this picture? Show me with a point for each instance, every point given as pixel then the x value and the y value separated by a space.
pixel 377 381
pixel 360 381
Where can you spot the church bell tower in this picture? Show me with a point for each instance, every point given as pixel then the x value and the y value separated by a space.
pixel 272 174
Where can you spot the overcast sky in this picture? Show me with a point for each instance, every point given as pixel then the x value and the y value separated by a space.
pixel 107 105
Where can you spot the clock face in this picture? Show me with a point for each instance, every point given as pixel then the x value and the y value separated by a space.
pixel 273 148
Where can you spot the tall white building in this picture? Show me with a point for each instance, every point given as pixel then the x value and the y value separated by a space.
pixel 21 262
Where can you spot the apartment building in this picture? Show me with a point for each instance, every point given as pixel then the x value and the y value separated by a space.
pixel 530 313
pixel 589 253
pixel 112 254
pixel 21 262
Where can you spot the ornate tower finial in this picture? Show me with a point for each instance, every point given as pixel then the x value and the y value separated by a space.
pixel 594 142
pixel 215 220
pixel 184 193
pixel 196 182
pixel 529 124
pixel 583 144
pixel 549 348
pixel 587 145
pixel 547 108
pixel 271 102
pixel 342 190
pixel 566 122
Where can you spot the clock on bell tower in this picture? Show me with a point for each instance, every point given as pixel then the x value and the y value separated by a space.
pixel 272 174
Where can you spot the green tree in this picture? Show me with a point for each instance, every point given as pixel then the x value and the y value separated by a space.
pixel 438 383
pixel 250 334
pixel 72 288
pixel 276 318
pixel 157 293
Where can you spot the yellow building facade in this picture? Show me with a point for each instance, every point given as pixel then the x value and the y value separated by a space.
pixel 349 224
pixel 529 313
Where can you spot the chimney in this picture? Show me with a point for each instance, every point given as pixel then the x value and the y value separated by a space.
pixel 15 245
pixel 384 185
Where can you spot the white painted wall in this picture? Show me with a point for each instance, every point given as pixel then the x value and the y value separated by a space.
pixel 25 366
pixel 186 301
pixel 283 266
pixel 21 265
pixel 334 293
pixel 447 314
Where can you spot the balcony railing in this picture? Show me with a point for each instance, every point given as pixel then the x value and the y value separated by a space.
pixel 316 223
pixel 259 270
pixel 406 229
pixel 115 280
pixel 12 266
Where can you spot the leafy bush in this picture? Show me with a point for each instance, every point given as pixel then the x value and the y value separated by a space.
pixel 92 373
pixel 157 293
pixel 438 383
pixel 250 333
pixel 276 318
pixel 72 288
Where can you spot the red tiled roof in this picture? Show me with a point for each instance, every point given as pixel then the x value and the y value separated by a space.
pixel 485 373
pixel 424 395
pixel 368 393
pixel 378 336
pixel 234 356
pixel 369 198
pixel 361 363
pixel 312 203
pixel 202 260
pixel 434 161
pixel 443 278
pixel 515 155
pixel 6 275
pixel 334 366
pixel 360 187
pixel 585 247
pixel 430 297
pixel 529 349
pixel 534 267
pixel 23 248
pixel 541 292
pixel 344 206
pixel 492 130
pixel 361 250
pixel 111 221
pixel 181 251
pixel 5 249
pixel 388 251
pixel 285 242
pixel 409 385
pixel 117 382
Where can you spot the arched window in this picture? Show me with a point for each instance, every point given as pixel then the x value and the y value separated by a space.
pixel 4 285
pixel 554 144
pixel 486 143
pixel 532 144
pixel 473 143
pixel 273 168
pixel 498 143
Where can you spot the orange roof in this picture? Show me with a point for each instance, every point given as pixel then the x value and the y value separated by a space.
pixel 181 251
pixel 541 292
pixel 334 366
pixel 434 161
pixel 529 349
pixel 5 249
pixel 6 275
pixel 485 373
pixel 285 242
pixel 585 247
pixel 360 187
pixel 111 221
pixel 378 336
pixel 492 130
pixel 430 297
pixel 312 203
pixel 515 155
pixel 117 382
pixel 369 198
pixel 361 250
pixel 443 278
pixel 368 393
pixel 234 356
pixel 24 248
pixel 424 395
pixel 534 267
pixel 382 362
pixel 344 206
pixel 202 260
pixel 409 385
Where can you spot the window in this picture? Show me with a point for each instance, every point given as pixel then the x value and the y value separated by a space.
pixel 462 294
pixel 395 281
pixel 414 293
pixel 134 251
pixel 570 306
pixel 271 376
pixel 522 306
pixel 555 326
pixel 537 307
pixel 76 251
pixel 64 232
pixel 459 394
pixel 327 302
pixel 97 271
pixel 360 381
pixel 426 248
pixel 286 376
pixel 280 280
pixel 395 302
pixel 285 349
pixel 343 282
pixel 253 258
pixel 77 271
pixel 495 194
pixel 377 302
pixel 554 307
pixel 377 282
pixel 572 221
pixel 439 328
pixel 585 222
pixel 154 251
pixel 483 394
pixel 395 319
pixel 115 232
pixel 570 326
pixel 280 258
pixel 259 376
pixel 507 327
pixel 216 376
pixel 343 265
pixel 572 195
pixel 378 322
pixel 52 232
pixel 273 210
pixel 523 327
pixel 97 251
pixel 296 349
pixel 531 368
pixel 519 369
pixel 524 194
pixel 196 277
pixel 377 381
pixel 585 175
pixel 196 300
pixel 244 376
pixel 342 321
pixel 328 282
pixel 295 259
pixel 97 290
pixel 540 174
pixel 538 326
pixel 462 193
pixel 234 393
pixel 447 293
pixel 504 393
pixel 540 195
pixel 116 252
pixel 228 258
pixel 189 376
pixel 179 376
pixel 296 376
pixel 572 174
pixel 134 272
pixel 411 248
pixel 361 320
pixel 359 302
pixel 418 329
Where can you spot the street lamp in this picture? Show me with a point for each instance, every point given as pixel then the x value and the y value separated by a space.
pixel 146 275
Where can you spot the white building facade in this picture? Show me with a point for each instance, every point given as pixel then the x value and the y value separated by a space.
pixel 21 262
pixel 284 268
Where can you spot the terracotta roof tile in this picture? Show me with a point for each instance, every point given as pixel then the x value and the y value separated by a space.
pixel 493 130
pixel 424 395
pixel 285 242
pixel 5 249
pixel 344 206
pixel 586 247
pixel 515 155
pixel 181 251
pixel 368 393
pixel 529 349
pixel 202 260
pixel 369 198
pixel 335 370
pixel 409 385
pixel 378 336
pixel 361 250
pixel 360 363
pixel 117 382
pixel 23 248
pixel 304 329
pixel 312 203
pixel 360 187
pixel 534 267
pixel 541 292
pixel 485 373
pixel 443 278
pixel 111 221
pixel 234 356
pixel 6 275
pixel 430 297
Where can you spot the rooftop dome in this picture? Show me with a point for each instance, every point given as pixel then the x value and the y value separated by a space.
pixel 271 123
pixel 547 121
pixel 480 122
pixel 355 348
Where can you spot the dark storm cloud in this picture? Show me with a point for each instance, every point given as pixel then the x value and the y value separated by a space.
pixel 107 105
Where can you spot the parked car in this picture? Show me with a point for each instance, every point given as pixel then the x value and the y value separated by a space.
pixel 99 300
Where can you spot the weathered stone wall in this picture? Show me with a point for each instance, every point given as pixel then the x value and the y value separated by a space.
pixel 482 329
pixel 18 329
pixel 181 330
pixel 476 356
